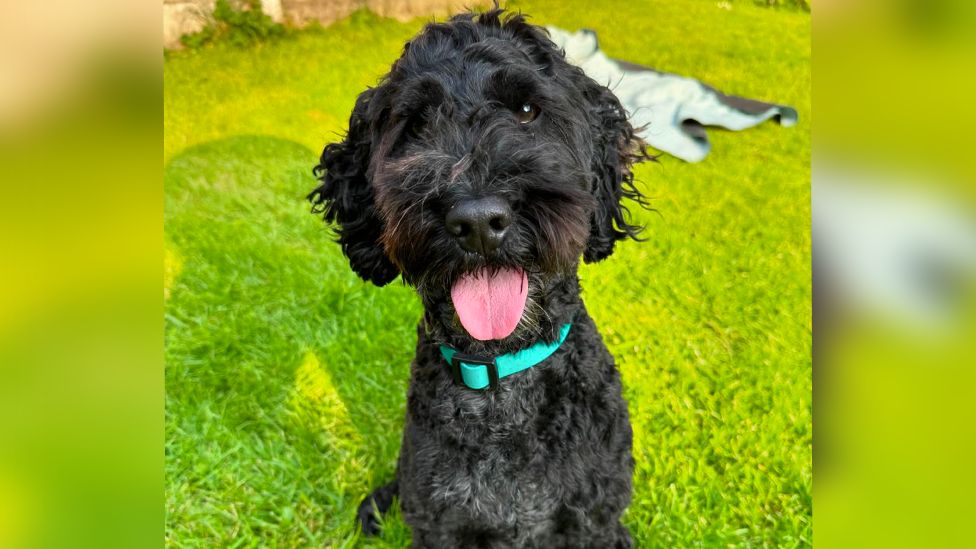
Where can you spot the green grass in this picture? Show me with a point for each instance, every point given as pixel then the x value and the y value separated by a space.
pixel 286 375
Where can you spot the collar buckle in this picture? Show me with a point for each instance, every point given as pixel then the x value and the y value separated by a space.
pixel 489 363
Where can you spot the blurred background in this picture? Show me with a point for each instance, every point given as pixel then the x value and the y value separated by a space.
pixel 81 371
pixel 894 237
pixel 82 395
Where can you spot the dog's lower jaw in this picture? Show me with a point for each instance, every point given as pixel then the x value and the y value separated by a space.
pixel 542 461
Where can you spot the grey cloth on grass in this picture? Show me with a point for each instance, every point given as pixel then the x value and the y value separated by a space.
pixel 669 111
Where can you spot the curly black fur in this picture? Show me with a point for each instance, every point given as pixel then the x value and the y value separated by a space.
pixel 545 459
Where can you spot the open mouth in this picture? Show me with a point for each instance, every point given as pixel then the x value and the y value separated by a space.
pixel 490 302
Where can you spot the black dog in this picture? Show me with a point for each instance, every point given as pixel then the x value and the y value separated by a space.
pixel 481 169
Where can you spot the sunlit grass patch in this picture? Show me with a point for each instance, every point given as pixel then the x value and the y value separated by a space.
pixel 172 265
pixel 316 405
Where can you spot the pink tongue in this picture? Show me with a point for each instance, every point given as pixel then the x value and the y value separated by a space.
pixel 490 305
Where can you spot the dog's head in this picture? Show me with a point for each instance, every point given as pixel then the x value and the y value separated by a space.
pixel 481 168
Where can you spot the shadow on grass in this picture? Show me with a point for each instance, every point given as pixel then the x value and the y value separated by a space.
pixel 273 347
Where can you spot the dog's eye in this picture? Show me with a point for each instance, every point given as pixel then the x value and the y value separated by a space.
pixel 527 113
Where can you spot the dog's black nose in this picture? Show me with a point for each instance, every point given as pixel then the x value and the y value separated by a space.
pixel 479 225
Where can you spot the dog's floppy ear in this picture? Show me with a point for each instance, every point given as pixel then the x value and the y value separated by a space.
pixel 616 149
pixel 345 197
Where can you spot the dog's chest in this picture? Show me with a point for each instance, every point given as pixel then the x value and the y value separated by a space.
pixel 493 488
pixel 505 461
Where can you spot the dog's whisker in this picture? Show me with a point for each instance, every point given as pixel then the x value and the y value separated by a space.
pixel 459 167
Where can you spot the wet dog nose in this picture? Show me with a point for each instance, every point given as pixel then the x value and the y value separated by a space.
pixel 479 225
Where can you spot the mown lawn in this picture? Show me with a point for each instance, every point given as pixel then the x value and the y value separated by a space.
pixel 286 375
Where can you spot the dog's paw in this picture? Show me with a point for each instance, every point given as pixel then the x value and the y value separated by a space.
pixel 368 518
pixel 375 505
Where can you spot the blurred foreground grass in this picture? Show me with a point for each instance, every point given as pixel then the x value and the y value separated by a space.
pixel 286 375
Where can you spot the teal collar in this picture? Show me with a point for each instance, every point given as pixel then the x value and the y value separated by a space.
pixel 478 372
